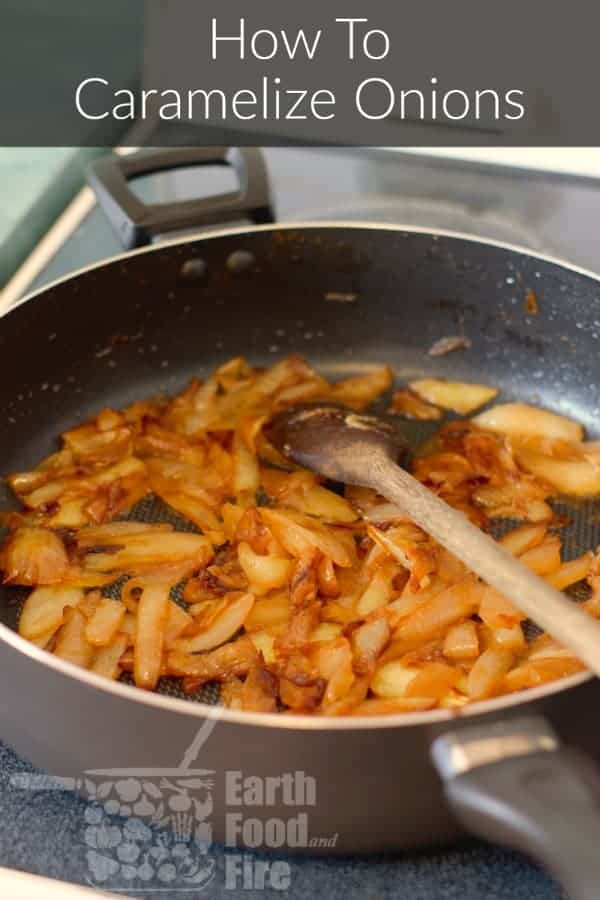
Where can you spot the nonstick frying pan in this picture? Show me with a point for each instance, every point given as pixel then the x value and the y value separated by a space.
pixel 515 769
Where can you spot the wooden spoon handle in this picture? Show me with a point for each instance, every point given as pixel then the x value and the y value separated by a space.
pixel 560 617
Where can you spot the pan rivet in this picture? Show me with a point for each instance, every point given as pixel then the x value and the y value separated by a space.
pixel 240 261
pixel 193 269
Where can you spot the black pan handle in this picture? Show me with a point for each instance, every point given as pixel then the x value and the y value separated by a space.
pixel 513 783
pixel 138 223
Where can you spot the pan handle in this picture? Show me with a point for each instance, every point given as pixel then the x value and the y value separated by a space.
pixel 513 783
pixel 138 223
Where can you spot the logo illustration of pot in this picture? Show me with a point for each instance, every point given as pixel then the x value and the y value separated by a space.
pixel 164 834
pixel 144 828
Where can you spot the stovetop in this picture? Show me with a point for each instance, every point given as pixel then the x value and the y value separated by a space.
pixel 549 213
pixel 546 213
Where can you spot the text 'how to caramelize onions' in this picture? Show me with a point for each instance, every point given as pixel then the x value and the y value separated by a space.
pixel 293 594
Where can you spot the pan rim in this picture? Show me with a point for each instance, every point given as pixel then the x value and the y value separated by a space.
pixel 286 720
pixel 355 225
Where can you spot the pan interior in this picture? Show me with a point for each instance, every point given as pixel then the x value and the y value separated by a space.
pixel 145 324
pixel 581 533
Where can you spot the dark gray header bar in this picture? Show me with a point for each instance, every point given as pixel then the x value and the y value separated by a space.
pixel 413 73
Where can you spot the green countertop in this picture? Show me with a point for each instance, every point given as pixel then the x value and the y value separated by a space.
pixel 36 183
pixel 35 186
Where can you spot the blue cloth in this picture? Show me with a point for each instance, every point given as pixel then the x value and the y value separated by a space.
pixel 43 833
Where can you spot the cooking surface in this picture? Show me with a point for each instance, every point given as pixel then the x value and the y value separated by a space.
pixel 46 831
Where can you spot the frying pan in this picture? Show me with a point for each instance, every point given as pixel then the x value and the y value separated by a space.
pixel 515 769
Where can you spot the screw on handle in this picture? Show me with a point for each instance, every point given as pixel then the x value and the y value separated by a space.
pixel 511 782
pixel 137 223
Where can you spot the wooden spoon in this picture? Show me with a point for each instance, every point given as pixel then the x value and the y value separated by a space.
pixel 363 450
